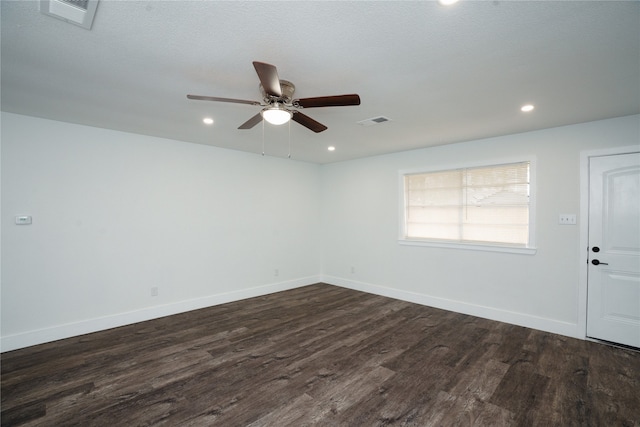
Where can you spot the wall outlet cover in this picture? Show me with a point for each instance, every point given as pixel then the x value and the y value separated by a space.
pixel 567 219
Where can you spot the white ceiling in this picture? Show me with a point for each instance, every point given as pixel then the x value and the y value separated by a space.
pixel 442 75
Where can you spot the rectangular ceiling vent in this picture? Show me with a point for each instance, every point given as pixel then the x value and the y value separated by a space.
pixel 374 121
pixel 77 12
pixel 82 4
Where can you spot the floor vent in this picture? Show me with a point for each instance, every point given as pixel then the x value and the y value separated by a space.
pixel 77 12
pixel 374 121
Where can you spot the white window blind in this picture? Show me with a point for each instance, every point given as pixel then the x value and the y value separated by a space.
pixel 470 205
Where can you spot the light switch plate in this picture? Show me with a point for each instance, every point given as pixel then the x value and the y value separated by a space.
pixel 23 220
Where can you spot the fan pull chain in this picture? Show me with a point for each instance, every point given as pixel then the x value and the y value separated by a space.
pixel 289 155
pixel 263 137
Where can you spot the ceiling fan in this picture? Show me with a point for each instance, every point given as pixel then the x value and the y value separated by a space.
pixel 278 104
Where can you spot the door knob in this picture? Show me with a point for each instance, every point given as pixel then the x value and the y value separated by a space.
pixel 597 262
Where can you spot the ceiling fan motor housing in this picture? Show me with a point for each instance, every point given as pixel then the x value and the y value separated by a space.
pixel 287 88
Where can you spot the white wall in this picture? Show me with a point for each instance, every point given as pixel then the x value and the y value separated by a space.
pixel 115 214
pixel 360 201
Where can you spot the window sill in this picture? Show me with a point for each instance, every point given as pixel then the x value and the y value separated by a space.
pixel 469 246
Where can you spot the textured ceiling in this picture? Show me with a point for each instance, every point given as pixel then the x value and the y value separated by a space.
pixel 442 75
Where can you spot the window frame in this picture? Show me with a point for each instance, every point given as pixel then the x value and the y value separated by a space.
pixel 529 249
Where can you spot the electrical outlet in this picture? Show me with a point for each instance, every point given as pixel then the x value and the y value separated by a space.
pixel 567 219
pixel 154 291
pixel 353 270
pixel 276 272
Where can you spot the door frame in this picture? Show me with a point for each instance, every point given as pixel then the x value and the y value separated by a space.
pixel 583 258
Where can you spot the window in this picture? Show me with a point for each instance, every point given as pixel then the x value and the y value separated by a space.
pixel 488 206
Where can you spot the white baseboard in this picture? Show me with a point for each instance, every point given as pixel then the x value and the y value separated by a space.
pixel 520 319
pixel 54 333
pixel 40 336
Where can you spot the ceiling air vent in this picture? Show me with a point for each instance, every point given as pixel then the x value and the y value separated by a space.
pixel 374 121
pixel 77 12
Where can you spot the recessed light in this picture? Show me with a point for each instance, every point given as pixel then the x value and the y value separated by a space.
pixel 331 148
pixel 527 107
pixel 207 121
pixel 447 2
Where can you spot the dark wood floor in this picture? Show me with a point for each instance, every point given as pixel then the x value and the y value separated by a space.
pixel 321 355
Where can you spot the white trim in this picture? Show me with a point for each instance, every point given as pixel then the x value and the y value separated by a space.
pixel 468 165
pixel 511 317
pixel 40 336
pixel 584 227
pixel 469 246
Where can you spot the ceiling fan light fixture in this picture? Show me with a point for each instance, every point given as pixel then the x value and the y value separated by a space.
pixel 276 115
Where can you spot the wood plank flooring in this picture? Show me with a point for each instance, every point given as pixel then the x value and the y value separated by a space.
pixel 321 356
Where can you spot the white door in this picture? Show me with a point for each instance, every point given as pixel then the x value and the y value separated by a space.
pixel 613 307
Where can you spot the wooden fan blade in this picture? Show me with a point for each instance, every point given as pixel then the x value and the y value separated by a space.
pixel 215 98
pixel 329 101
pixel 308 122
pixel 268 75
pixel 251 122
